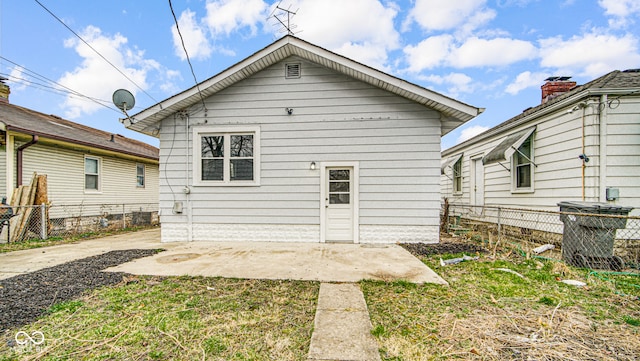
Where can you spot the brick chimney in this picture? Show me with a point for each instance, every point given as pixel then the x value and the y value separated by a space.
pixel 4 91
pixel 555 86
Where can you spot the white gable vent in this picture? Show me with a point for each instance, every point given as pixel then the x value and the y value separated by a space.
pixel 292 71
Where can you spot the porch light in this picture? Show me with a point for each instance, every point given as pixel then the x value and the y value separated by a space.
pixel 312 166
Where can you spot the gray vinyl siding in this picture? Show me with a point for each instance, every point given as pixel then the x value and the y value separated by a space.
pixel 335 118
pixel 623 151
pixel 557 145
pixel 65 177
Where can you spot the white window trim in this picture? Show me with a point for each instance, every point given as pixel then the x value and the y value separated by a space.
pixel 84 175
pixel 532 165
pixel 144 175
pixel 203 130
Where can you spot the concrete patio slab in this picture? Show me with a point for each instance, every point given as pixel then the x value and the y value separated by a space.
pixel 260 260
pixel 295 261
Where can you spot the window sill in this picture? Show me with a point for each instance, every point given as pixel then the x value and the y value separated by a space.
pixel 230 184
pixel 522 191
pixel 89 191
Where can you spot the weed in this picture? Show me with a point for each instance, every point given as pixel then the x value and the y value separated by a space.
pixel 547 301
pixel 633 321
pixel 378 331
pixel 67 307
pixel 214 346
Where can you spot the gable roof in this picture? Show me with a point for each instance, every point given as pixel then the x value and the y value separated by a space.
pixel 23 120
pixel 455 112
pixel 616 83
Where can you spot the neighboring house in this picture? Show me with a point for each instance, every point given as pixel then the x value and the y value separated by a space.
pixel 582 143
pixel 83 165
pixel 296 143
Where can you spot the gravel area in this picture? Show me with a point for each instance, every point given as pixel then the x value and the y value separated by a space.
pixel 446 246
pixel 25 297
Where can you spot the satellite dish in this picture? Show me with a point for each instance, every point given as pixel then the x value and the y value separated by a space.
pixel 123 99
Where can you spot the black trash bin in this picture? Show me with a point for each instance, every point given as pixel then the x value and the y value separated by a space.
pixel 587 241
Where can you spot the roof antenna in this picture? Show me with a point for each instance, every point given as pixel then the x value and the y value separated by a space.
pixel 282 15
pixel 124 100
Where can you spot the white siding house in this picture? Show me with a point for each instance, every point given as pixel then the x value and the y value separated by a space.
pixel 83 165
pixel 580 144
pixel 296 143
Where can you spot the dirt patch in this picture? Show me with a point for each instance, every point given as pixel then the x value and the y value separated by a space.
pixel 26 297
pixel 447 245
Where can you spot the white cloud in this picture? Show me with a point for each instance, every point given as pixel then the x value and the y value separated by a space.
pixel 492 52
pixel 440 50
pixel 193 35
pixel 470 132
pixel 225 17
pixel 591 54
pixel 441 15
pixel 360 29
pixel 16 76
pixel 526 80
pixel 95 77
pixel 429 53
pixel 455 83
pixel 621 11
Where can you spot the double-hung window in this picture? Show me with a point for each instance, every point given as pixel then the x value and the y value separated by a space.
pixel 91 174
pixel 457 176
pixel 140 175
pixel 226 156
pixel 523 166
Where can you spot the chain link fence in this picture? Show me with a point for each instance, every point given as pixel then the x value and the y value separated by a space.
pixel 581 238
pixel 19 224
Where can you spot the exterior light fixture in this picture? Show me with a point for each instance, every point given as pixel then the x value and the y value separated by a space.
pixel 312 166
pixel 289 110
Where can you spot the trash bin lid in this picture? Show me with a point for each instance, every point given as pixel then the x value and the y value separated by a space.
pixel 594 207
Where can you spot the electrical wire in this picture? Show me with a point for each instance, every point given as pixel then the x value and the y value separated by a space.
pixel 96 51
pixel 52 89
pixel 175 19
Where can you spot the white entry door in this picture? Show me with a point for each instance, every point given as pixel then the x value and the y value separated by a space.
pixel 477 182
pixel 339 205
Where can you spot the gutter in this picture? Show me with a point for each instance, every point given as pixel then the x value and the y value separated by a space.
pixel 20 149
pixel 82 143
pixel 523 119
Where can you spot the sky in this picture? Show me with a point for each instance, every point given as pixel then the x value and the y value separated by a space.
pixel 489 54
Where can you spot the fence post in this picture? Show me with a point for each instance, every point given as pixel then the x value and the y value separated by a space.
pixel 124 217
pixel 499 222
pixel 43 221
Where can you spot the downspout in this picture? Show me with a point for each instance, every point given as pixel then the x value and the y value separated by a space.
pixel 186 189
pixel 602 159
pixel 584 164
pixel 20 149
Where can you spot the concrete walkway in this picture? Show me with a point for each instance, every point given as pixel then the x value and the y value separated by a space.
pixel 30 260
pixel 342 329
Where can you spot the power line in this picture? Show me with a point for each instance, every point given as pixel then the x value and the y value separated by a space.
pixel 52 89
pixel 57 91
pixel 187 54
pixel 92 48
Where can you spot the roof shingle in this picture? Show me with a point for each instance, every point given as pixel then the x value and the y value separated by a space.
pixel 24 120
